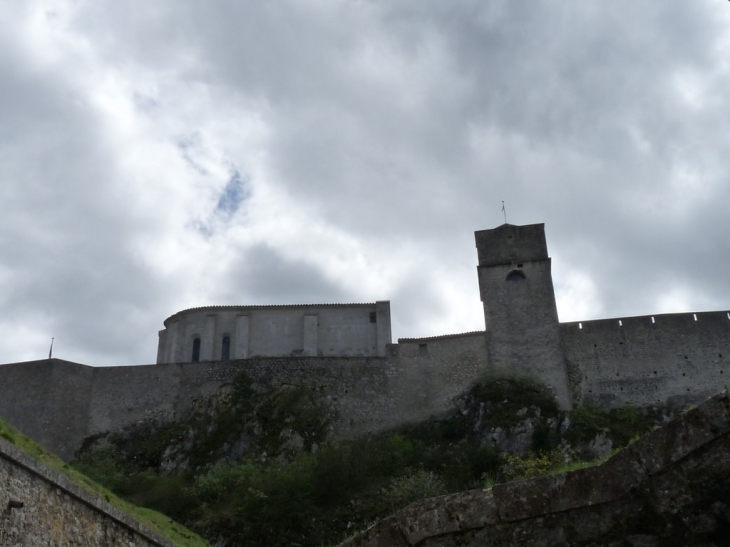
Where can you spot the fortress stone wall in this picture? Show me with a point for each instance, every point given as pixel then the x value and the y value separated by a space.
pixel 675 358
pixel 367 394
pixel 39 507
pixel 371 384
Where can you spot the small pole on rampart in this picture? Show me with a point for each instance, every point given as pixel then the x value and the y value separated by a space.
pixel 50 351
pixel 505 212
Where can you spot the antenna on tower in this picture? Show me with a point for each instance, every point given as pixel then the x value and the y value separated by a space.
pixel 50 351
pixel 505 212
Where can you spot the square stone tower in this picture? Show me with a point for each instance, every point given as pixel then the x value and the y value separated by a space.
pixel 516 288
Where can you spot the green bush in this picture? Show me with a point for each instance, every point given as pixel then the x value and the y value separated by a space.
pixel 505 395
pixel 413 486
pixel 531 465
pixel 627 422
pixel 219 482
pixel 172 495
pixel 258 504
pixel 336 473
pixel 544 438
pixel 102 464
pixel 620 424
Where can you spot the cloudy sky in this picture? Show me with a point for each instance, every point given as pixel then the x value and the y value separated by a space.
pixel 166 154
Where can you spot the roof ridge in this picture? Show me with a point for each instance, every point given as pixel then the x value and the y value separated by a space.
pixel 441 336
pixel 268 306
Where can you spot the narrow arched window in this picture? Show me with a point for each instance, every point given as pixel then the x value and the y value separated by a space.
pixel 516 275
pixel 196 350
pixel 226 348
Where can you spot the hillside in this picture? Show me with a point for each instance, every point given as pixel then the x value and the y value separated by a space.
pixel 259 468
pixel 671 488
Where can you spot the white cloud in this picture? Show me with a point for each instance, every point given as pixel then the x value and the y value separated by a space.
pixel 371 139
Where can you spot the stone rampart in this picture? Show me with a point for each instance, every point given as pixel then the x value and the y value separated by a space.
pixel 674 358
pixel 39 507
pixel 670 488
pixel 59 403
pixel 647 360
pixel 48 401
pixel 367 394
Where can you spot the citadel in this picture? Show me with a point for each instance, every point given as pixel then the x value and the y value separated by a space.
pixel 345 353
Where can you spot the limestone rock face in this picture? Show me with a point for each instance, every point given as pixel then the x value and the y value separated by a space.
pixel 671 488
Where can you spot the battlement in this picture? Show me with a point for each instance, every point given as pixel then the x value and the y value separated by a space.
pixel 649 359
pixel 664 320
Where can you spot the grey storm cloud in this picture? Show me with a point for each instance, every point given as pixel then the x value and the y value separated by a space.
pixel 160 156
pixel 266 277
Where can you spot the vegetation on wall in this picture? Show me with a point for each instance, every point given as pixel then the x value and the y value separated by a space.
pixel 257 468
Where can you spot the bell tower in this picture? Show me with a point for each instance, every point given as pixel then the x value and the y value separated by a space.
pixel 516 288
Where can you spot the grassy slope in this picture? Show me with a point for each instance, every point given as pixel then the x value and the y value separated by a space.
pixel 153 520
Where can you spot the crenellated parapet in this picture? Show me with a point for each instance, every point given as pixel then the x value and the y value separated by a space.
pixel 651 359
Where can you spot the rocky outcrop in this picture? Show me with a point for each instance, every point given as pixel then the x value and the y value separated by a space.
pixel 671 487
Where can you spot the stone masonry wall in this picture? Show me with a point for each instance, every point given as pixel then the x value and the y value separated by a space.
pixel 368 393
pixel 520 313
pixel 59 403
pixel 288 330
pixel 41 508
pixel 48 401
pixel 675 358
pixel 650 359
pixel 523 332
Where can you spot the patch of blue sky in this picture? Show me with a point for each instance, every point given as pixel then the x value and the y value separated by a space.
pixel 234 194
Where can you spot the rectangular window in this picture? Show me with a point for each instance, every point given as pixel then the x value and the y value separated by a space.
pixel 226 348
pixel 373 317
pixel 196 350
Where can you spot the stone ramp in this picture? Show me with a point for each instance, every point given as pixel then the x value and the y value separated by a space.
pixel 671 487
